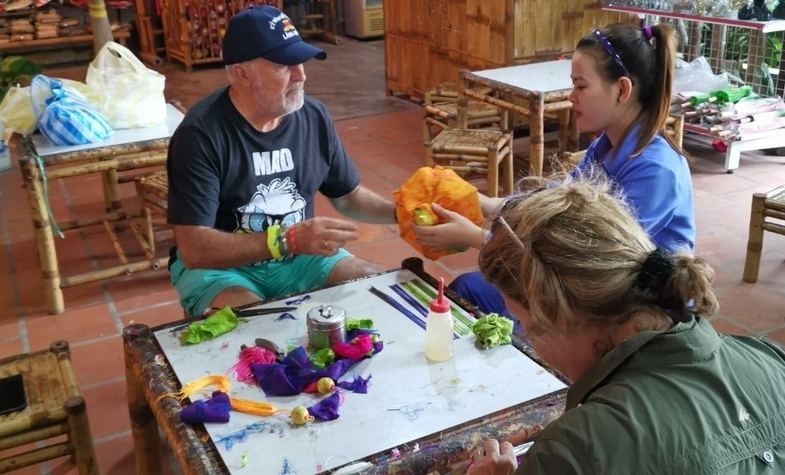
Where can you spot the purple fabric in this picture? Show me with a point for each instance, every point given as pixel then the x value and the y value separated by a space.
pixel 359 385
pixel 294 373
pixel 647 33
pixel 327 408
pixel 215 409
pixel 378 347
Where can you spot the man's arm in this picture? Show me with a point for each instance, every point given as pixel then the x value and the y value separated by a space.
pixel 365 205
pixel 203 247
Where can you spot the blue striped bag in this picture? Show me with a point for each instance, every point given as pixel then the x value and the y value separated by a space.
pixel 64 116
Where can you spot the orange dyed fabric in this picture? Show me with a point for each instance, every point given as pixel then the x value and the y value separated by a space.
pixel 434 185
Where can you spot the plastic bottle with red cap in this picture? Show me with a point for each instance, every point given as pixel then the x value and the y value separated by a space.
pixel 438 328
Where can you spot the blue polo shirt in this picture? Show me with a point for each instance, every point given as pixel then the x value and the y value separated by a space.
pixel 656 184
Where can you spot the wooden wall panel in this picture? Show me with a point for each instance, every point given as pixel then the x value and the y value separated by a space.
pixel 429 41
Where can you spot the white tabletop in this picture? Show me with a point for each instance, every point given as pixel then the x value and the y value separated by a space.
pixel 548 76
pixel 408 398
pixel 118 137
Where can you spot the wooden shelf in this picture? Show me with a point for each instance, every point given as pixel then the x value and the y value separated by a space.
pixel 60 42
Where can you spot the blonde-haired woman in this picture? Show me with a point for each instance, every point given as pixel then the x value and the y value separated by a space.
pixel 654 388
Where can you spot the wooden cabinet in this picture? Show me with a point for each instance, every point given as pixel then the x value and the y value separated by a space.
pixel 194 29
pixel 428 41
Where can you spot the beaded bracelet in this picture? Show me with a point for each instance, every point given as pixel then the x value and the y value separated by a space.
pixel 291 239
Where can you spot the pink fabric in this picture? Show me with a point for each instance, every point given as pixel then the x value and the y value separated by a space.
pixel 357 349
pixel 248 356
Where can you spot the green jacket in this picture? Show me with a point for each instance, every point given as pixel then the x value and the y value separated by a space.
pixel 687 401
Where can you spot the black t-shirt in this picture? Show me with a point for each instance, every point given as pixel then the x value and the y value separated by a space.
pixel 225 174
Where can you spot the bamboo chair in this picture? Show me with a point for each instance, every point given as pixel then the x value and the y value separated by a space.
pixel 442 110
pixel 54 408
pixel 475 151
pixel 152 191
pixel 764 205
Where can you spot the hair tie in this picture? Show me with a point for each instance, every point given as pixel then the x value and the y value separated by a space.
pixel 647 33
pixel 654 273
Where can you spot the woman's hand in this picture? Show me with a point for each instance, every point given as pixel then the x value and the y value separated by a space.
pixel 457 233
pixel 493 459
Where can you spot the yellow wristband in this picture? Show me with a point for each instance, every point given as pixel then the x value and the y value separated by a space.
pixel 272 241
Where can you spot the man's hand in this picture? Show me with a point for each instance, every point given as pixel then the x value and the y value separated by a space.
pixel 493 459
pixel 323 236
pixel 458 232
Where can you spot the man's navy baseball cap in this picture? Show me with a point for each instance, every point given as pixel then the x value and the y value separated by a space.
pixel 266 32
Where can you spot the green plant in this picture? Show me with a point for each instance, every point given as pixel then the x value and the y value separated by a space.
pixel 16 70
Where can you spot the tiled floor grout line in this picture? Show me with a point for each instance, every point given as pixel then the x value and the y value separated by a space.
pixel 145 308
pixel 94 340
pixel 13 277
pixel 106 382
pixel 111 437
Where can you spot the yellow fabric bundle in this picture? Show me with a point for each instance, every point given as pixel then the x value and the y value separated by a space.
pixel 433 185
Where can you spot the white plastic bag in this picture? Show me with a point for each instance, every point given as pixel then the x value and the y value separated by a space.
pixel 697 76
pixel 130 94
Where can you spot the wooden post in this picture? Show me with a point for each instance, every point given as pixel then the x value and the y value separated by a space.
pixel 143 424
pixel 507 163
pixel 99 23
pixel 493 171
pixel 47 254
pixel 536 134
pixel 79 435
pixel 755 241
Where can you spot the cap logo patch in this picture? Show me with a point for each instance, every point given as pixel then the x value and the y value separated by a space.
pixel 274 22
pixel 288 29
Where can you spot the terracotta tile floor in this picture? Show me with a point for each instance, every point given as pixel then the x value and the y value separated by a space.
pixel 387 148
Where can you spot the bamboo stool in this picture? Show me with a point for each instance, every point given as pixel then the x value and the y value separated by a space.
pixel 764 205
pixel 54 407
pixel 481 151
pixel 152 191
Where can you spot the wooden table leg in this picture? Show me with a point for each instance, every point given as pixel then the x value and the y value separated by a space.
pixel 144 427
pixel 536 135
pixel 79 435
pixel 575 135
pixel 47 253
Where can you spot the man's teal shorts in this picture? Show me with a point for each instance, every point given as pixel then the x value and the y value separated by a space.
pixel 270 279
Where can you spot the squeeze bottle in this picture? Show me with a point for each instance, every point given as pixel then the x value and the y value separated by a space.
pixel 438 328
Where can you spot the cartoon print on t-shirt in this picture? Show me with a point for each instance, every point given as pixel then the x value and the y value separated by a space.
pixel 275 203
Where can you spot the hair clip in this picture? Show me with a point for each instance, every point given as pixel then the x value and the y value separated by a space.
pixel 647 32
pixel 608 47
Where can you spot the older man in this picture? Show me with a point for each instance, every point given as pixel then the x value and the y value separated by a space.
pixel 244 167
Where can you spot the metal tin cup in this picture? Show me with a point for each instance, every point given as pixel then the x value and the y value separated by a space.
pixel 326 326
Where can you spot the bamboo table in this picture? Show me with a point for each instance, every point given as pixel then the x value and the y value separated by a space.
pixel 150 377
pixel 41 162
pixel 532 90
